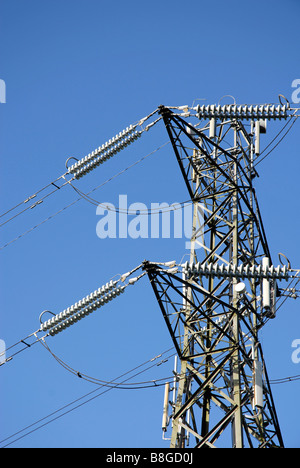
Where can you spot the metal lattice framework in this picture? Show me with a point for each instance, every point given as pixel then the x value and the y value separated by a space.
pixel 222 391
pixel 216 303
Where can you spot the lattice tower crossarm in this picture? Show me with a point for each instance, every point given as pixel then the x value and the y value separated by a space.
pixel 223 395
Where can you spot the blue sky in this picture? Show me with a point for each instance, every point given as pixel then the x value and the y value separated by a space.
pixel 78 72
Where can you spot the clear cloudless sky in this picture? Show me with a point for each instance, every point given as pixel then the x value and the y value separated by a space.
pixel 77 72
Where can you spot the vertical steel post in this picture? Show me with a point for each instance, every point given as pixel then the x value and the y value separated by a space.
pixel 236 384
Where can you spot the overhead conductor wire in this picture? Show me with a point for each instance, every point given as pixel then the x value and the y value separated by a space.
pixel 82 197
pixel 114 384
pixel 86 164
pixel 93 201
pixel 91 163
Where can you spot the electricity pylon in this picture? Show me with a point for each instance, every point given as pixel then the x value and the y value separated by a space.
pixel 225 293
pixel 227 290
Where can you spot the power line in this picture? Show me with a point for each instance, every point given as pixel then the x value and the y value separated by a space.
pixel 289 129
pixel 81 197
pixel 113 385
pixel 88 163
pixel 36 203
pixel 146 212
pixel 31 197
pixel 86 197
pixel 212 356
pixel 208 306
pixel 110 385
pixel 105 383
pixel 292 378
pixel 74 313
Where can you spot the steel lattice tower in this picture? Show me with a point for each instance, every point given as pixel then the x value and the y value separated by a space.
pixel 227 290
pixel 216 303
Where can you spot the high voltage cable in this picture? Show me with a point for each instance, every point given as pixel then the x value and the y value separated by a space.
pixel 36 203
pixel 288 130
pixel 276 381
pixel 108 388
pixel 116 386
pixel 123 139
pixel 82 198
pixel 105 383
pixel 133 385
pixel 28 198
pixel 146 212
pixel 111 385
pixel 149 212
pixel 292 378
pixel 76 312
pixel 78 399
pixel 295 116
pixel 85 195
pixel 87 305
pixel 88 163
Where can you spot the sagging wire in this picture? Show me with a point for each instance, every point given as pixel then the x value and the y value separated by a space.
pixel 88 163
pixel 71 315
pixel 104 383
pixel 167 267
pixel 260 159
pixel 292 378
pixel 81 197
pixel 84 307
pixel 107 150
pixel 133 385
pixel 145 212
pixel 107 389
pixel 110 385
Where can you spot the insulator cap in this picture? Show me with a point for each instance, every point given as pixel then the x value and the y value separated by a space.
pixel 239 272
pixel 230 111
pixel 105 152
pixel 82 308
